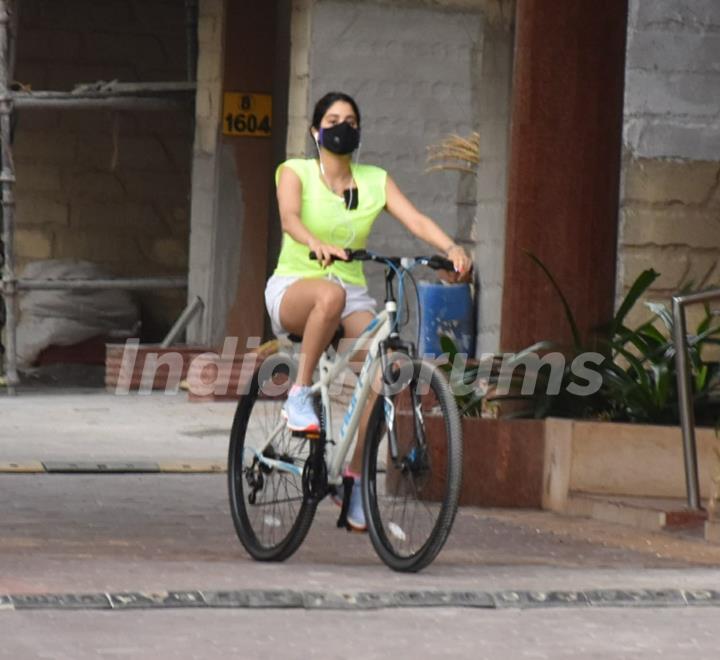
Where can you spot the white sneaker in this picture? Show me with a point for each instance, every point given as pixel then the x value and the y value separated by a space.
pixel 299 410
pixel 356 511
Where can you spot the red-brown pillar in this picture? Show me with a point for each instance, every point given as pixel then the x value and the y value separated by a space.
pixel 256 61
pixel 565 151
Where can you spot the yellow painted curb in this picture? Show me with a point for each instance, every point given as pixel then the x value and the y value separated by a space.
pixel 26 467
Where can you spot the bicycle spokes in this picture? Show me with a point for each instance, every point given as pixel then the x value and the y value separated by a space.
pixel 411 496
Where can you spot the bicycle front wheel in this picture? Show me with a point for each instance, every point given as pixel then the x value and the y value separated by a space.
pixel 270 509
pixel 411 499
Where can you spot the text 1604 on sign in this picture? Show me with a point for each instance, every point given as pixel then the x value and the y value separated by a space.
pixel 246 114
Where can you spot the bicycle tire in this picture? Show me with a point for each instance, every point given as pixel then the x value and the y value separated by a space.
pixel 440 490
pixel 254 414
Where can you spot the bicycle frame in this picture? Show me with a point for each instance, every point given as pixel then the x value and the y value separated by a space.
pixel 376 332
pixel 379 329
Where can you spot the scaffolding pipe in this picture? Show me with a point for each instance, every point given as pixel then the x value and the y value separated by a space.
pixel 25 101
pixel 14 11
pixel 7 179
pixel 191 21
pixel 187 315
pixel 110 283
pixel 112 95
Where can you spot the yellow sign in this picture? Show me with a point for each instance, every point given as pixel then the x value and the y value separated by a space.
pixel 246 114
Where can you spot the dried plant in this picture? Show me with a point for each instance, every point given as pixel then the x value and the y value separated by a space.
pixel 454 152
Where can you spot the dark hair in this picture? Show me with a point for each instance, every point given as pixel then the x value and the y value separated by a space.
pixel 321 107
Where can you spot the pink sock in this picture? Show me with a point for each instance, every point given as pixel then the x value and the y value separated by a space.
pixel 347 472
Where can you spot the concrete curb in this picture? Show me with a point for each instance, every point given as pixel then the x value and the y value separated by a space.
pixel 364 600
pixel 173 466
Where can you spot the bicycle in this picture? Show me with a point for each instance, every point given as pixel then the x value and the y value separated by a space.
pixel 412 462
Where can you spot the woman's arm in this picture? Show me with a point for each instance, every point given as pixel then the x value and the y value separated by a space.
pixel 424 228
pixel 289 196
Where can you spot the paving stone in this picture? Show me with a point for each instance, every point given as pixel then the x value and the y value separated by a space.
pixel 281 598
pixel 109 466
pixel 510 598
pixel 529 599
pixel 226 598
pixel 374 600
pixel 702 597
pixel 640 597
pixel 162 599
pixel 60 601
pixel 184 599
pixel 329 600
pixel 471 599
pixel 422 598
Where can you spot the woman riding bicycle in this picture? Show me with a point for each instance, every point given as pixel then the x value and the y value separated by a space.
pixel 328 204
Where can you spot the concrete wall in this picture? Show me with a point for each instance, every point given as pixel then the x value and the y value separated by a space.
pixel 419 71
pixel 670 204
pixel 107 187
pixel 203 278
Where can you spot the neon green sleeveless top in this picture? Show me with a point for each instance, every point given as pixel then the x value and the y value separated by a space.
pixel 324 214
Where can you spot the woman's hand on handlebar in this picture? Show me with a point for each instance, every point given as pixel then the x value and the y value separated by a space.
pixel 326 253
pixel 462 264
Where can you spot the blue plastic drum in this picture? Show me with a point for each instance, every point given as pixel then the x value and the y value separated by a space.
pixel 446 309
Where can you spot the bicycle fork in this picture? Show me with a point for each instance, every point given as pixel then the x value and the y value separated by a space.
pixel 415 458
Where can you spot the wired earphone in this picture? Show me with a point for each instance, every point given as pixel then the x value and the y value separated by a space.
pixel 344 226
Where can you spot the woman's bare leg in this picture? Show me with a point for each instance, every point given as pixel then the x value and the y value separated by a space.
pixel 353 325
pixel 312 308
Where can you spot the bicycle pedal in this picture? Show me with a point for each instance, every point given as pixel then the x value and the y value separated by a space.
pixel 309 435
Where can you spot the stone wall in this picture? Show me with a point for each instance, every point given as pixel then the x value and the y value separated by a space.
pixel 419 70
pixel 109 187
pixel 670 201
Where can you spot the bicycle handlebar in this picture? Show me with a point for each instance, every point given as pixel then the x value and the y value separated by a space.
pixel 436 262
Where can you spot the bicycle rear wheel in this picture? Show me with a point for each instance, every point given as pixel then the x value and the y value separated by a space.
pixel 411 501
pixel 270 509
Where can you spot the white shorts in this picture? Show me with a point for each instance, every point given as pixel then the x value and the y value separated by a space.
pixel 357 298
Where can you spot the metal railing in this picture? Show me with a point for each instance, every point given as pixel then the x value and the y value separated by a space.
pixel 685 394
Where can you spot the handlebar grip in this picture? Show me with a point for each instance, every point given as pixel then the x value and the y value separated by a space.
pixel 313 255
pixel 440 263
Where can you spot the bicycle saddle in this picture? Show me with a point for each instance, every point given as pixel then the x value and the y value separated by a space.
pixel 339 333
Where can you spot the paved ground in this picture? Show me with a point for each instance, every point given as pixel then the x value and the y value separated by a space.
pixel 104 533
pixel 75 534
pixel 416 634
pixel 97 425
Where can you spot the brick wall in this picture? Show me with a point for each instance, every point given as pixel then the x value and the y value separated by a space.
pixel 109 187
pixel 670 204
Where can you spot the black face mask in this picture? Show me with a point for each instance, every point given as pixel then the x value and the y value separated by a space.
pixel 341 139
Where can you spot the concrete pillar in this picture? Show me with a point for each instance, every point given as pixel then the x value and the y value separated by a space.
pixel 203 278
pixel 494 83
